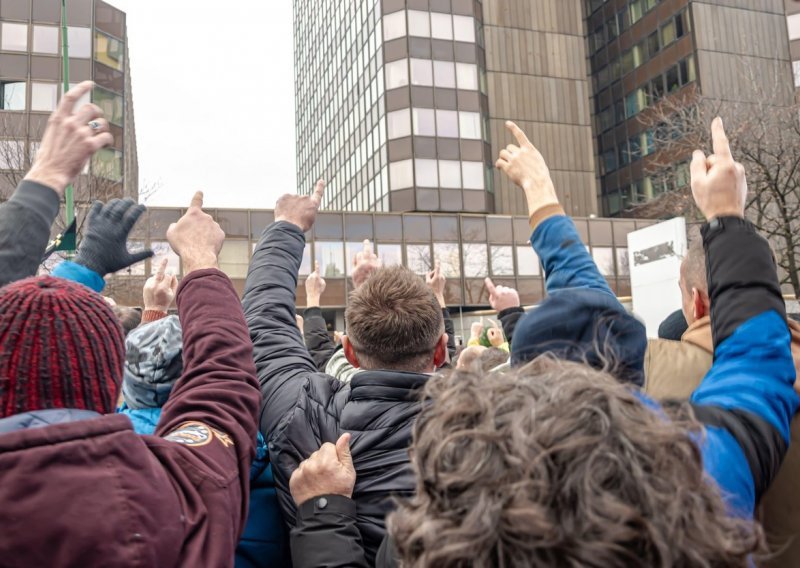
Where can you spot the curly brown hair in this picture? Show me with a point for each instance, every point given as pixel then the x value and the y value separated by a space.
pixel 557 464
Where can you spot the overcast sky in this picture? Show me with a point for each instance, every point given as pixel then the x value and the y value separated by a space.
pixel 213 95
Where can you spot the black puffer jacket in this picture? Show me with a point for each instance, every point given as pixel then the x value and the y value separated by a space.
pixel 303 408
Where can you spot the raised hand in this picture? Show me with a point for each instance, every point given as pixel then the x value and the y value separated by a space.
pixel 72 137
pixel 300 210
pixel 365 264
pixel 525 166
pixel 329 471
pixel 719 184
pixel 436 282
pixel 315 287
pixel 160 289
pixel 495 334
pixel 476 329
pixel 501 297
pixel 104 248
pixel 196 237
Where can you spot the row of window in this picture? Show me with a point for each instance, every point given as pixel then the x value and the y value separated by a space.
pixel 473 260
pixel 619 22
pixel 434 25
pixel 428 73
pixel 450 174
pixel 643 190
pixel 44 98
pixel 430 122
pixel 106 163
pixel 644 51
pixel 677 76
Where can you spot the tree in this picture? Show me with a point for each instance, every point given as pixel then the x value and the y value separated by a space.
pixel 764 131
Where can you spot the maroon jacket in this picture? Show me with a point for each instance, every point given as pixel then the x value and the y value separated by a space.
pixel 93 493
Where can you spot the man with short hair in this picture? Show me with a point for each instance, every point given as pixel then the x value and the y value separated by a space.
pixel 395 336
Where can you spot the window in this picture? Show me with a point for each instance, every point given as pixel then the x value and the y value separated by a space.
pixel 673 79
pixel 12 155
pixel 80 42
pixel 305 264
pixel 448 257
pixel 502 258
pixel 441 26
pixel 12 95
pixel 444 74
pixel 44 96
pixel 470 125
pixel 424 121
pixel 401 174
pixel 397 74
pixel 635 11
pixel 45 39
pixel 421 72
pixel 464 28
pixel 394 25
pixel 399 123
pixel 427 173
pixel 107 163
pixel 418 258
pixel 234 258
pixel 109 51
pixel 476 261
pixel 161 249
pixel 390 255
pixel 472 175
pixel 450 173
pixel 623 265
pixel 604 259
pixel 796 67
pixel 419 23
pixel 467 76
pixel 668 33
pixel 330 257
pixel 14 37
pixel 447 123
pixel 527 261
pixel 111 104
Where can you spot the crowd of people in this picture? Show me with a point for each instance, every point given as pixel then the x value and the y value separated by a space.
pixel 241 433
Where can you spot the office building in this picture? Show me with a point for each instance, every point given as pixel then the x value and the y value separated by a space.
pixel 793 26
pixel 31 84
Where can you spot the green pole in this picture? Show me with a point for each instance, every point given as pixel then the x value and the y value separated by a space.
pixel 68 194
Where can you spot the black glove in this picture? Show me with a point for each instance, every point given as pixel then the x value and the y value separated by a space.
pixel 104 248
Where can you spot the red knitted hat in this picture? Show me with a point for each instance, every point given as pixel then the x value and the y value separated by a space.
pixel 60 347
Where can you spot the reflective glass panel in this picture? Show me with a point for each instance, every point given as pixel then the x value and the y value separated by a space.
pixel 473 175
pixel 527 261
pixel 161 249
pixel 467 76
pixel 234 258
pixel 418 258
pixel 12 155
pixel 444 74
pixel 476 263
pixel 622 262
pixel 427 175
pixel 12 95
pixel 470 125
pixel 448 257
pixel 604 259
pixel 14 37
pixel 397 74
pixel 419 23
pixel 399 122
pixel 447 123
pixel 441 26
pixel 44 96
pixel 394 25
pixel 401 174
pixel 421 72
pixel 109 51
pixel 45 39
pixel 107 163
pixel 330 257
pixel 424 122
pixel 464 28
pixel 450 173
pixel 390 255
pixel 80 42
pixel 502 258
pixel 111 104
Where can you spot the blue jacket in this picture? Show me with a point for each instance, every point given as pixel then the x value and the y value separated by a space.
pixel 264 542
pixel 746 401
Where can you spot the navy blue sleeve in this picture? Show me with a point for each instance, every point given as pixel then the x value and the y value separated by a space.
pixel 567 263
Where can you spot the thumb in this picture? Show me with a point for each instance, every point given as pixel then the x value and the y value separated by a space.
pixel 343 451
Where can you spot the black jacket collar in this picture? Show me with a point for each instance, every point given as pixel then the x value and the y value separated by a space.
pixel 386 385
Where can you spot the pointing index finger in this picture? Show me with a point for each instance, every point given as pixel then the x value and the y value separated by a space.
pixel 319 189
pixel 720 140
pixel 522 139
pixel 197 200
pixel 490 286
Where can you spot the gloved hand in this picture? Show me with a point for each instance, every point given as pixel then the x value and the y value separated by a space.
pixel 104 248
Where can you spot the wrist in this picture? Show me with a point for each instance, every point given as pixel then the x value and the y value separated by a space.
pixel 312 301
pixel 440 299
pixel 45 176
pixel 199 262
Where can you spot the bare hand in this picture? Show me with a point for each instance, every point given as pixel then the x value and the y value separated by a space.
pixel 525 166
pixel 337 337
pixel 329 471
pixel 436 282
pixel 501 297
pixel 476 329
pixel 495 335
pixel 719 184
pixel 315 287
pixel 196 237
pixel 365 264
pixel 69 141
pixel 160 289
pixel 300 210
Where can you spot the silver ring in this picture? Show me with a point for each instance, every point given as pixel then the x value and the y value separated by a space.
pixel 94 125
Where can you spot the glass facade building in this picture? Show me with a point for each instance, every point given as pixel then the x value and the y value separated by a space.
pixel 31 85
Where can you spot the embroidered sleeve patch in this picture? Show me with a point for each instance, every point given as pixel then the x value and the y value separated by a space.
pixel 196 434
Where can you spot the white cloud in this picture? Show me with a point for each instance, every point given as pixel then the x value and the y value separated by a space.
pixel 213 93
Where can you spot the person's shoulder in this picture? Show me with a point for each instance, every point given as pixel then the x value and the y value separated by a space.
pixel 674 369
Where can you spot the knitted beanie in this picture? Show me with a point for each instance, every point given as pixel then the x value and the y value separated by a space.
pixel 60 347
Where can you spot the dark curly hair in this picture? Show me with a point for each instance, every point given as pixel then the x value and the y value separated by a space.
pixel 557 464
